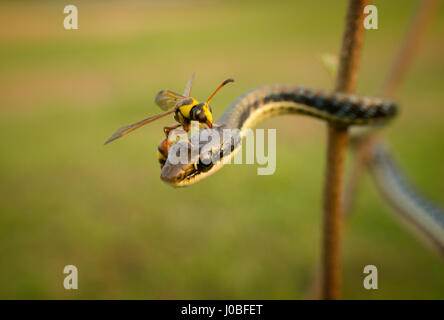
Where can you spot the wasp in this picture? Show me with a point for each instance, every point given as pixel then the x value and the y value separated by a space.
pixel 185 109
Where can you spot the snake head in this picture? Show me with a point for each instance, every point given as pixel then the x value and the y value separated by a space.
pixel 188 163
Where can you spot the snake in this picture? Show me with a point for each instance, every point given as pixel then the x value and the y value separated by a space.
pixel 341 109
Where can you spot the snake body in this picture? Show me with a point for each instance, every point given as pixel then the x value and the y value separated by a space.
pixel 420 214
pixel 342 109
pixel 271 100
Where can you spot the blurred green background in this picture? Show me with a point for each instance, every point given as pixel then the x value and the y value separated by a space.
pixel 67 199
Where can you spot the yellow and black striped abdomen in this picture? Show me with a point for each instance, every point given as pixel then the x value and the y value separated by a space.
pixel 162 151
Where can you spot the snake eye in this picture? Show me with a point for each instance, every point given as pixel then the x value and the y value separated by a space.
pixel 205 165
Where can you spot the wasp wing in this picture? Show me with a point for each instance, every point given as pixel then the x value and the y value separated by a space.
pixel 187 91
pixel 127 129
pixel 167 99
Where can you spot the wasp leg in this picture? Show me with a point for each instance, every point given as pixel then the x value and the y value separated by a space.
pixel 206 126
pixel 187 141
pixel 167 130
pixel 186 126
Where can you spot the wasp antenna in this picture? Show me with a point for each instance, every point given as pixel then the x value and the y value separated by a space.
pixel 218 88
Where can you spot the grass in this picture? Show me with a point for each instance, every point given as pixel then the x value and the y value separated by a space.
pixel 67 199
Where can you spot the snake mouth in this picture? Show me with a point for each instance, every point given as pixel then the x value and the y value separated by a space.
pixel 181 175
pixel 178 175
